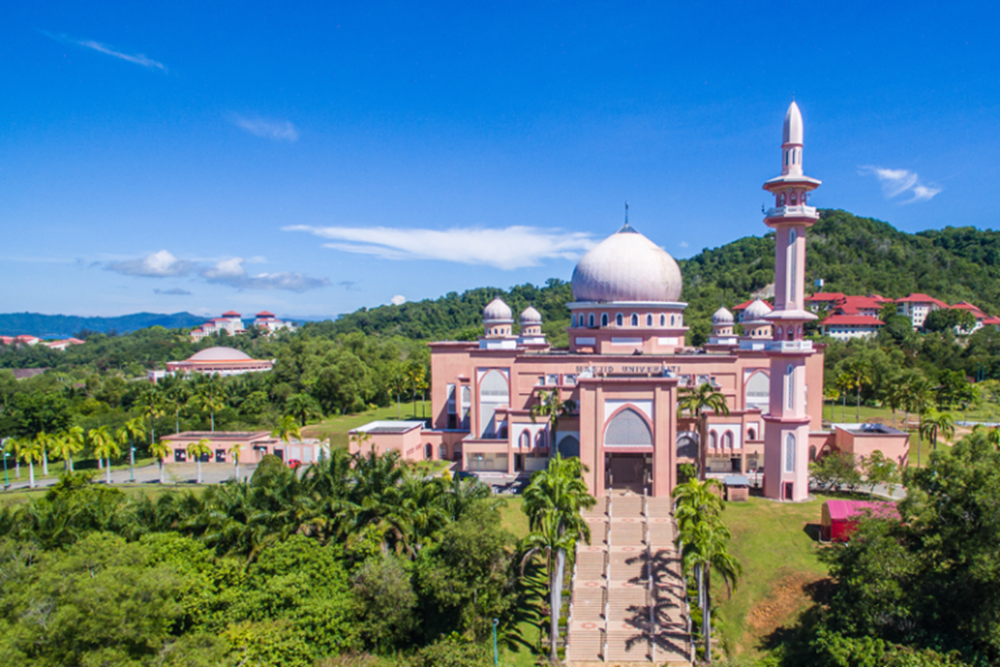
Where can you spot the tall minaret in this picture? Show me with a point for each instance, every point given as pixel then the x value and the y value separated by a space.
pixel 786 433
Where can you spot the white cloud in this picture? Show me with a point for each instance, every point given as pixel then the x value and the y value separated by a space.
pixel 683 244
pixel 160 264
pixel 509 248
pixel 276 130
pixel 231 272
pixel 176 291
pixel 136 58
pixel 898 181
pixel 398 300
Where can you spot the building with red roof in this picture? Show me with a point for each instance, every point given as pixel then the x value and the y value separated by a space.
pixel 268 323
pixel 840 517
pixel 62 344
pixel 230 322
pixel 215 361
pixel 917 307
pixel 824 300
pixel 846 327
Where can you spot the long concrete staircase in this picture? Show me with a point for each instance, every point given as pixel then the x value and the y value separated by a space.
pixel 628 604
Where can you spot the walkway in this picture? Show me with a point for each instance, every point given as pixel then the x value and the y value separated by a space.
pixel 628 603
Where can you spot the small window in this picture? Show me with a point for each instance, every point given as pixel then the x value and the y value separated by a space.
pixel 604 319
pixel 713 439
pixel 672 320
pixel 635 320
pixel 619 320
pixel 663 320
pixel 649 320
pixel 590 320
pixel 790 452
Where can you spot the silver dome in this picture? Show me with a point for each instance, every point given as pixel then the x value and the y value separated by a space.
pixel 497 311
pixel 722 316
pixel 756 311
pixel 627 266
pixel 531 316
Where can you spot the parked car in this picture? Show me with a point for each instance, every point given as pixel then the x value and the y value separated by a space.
pixel 294 463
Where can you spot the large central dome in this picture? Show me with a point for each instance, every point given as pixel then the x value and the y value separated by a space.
pixel 627 266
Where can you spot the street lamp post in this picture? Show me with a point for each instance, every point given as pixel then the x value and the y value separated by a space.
pixel 496 656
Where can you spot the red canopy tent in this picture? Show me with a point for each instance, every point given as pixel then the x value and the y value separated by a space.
pixel 840 517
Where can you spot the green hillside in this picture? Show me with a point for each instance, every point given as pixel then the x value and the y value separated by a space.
pixel 852 254
pixel 63 326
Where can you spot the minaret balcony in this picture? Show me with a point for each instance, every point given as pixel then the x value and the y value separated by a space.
pixel 788 346
pixel 800 211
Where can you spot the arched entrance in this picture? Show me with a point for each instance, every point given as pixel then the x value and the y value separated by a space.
pixel 630 469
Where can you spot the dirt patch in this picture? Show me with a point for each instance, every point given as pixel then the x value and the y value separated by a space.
pixel 788 596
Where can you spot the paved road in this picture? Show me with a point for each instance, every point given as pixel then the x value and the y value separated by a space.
pixel 173 473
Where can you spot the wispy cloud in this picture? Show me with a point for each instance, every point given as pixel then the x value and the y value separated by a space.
pixel 176 291
pixel 509 248
pixel 398 300
pixel 160 264
pixel 350 285
pixel 229 271
pixel 683 244
pixel 135 58
pixel 896 182
pixel 275 130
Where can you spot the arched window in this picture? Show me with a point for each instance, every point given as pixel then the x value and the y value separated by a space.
pixel 779 332
pixel 649 320
pixel 590 320
pixel 574 320
pixel 604 319
pixel 619 320
pixel 672 320
pixel 428 451
pixel 790 452
pixel 493 393
pixel 727 441
pixel 713 440
pixel 758 391
pixel 525 440
pixel 751 434
pixel 790 380
pixel 540 440
pixel 635 320
pixel 628 429
pixel 443 452
pixel 781 200
pixel 569 446
pixel 663 320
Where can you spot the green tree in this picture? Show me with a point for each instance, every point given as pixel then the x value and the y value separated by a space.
pixel 934 424
pixel 552 408
pixel 104 446
pixel 860 371
pixel 126 435
pixel 160 450
pixel 198 451
pixel 29 450
pixel 697 402
pixel 210 398
pixel 286 429
pixel 235 451
pixel 880 470
pixel 302 407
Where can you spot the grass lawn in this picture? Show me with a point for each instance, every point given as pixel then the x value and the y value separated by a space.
pixel 775 544
pixel 337 428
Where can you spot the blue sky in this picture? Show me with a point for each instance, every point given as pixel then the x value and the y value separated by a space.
pixel 315 158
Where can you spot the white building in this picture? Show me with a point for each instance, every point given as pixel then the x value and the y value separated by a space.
pixel 268 322
pixel 917 307
pixel 846 327
pixel 230 322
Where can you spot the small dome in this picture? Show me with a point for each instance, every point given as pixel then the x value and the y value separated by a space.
pixel 627 266
pixel 722 316
pixel 497 311
pixel 531 316
pixel 756 311
pixel 219 354
pixel 792 131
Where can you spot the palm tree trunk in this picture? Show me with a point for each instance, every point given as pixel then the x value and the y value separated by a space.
pixel 237 470
pixel 213 421
pixel 107 471
pixel 45 463
pixel 706 615
pixel 699 586
pixel 161 471
pixel 100 466
pixel 31 474
pixel 17 468
pixel 555 604
pixel 177 421
pixel 199 469
pixel 857 414
pixel 843 408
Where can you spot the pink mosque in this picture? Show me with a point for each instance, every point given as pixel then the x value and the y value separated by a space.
pixel 626 364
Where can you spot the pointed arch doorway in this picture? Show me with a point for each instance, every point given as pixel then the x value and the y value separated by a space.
pixel 628 452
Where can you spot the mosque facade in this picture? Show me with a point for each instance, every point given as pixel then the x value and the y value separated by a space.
pixel 627 367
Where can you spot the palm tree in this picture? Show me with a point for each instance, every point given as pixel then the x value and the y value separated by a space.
pixel 303 407
pixel 831 394
pixel 861 375
pixel 548 541
pixel 552 408
pixel 175 397
pixel 844 383
pixel 918 397
pixel 696 401
pixel 199 450
pixel 286 429
pixel 151 401
pixel 105 446
pixel 29 451
pixel 65 444
pixel 557 494
pixel 414 375
pixel 703 539
pixel 78 439
pixel 934 423
pixel 126 435
pixel 160 450
pixel 44 442
pixel 210 398
pixel 235 451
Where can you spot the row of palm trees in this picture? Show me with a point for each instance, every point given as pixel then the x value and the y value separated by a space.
pixel 703 541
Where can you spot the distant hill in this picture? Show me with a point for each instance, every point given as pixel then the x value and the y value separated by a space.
pixel 13 324
pixel 852 254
